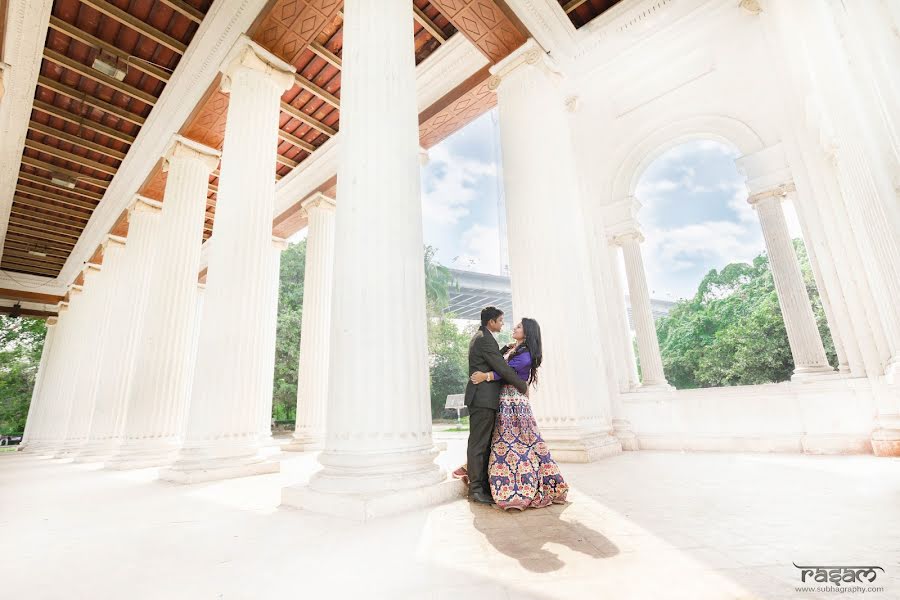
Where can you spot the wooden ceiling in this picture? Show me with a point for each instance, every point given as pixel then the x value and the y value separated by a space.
pixel 84 121
pixel 581 12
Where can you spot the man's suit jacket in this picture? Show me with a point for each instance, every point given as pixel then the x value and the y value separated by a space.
pixel 484 356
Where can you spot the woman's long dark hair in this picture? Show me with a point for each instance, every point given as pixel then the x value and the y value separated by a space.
pixel 533 344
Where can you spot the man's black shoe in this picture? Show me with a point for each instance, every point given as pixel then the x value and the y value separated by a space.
pixel 482 497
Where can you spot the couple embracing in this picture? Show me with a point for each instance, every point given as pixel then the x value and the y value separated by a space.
pixel 508 463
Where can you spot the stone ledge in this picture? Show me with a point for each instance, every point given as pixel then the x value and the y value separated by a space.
pixel 201 475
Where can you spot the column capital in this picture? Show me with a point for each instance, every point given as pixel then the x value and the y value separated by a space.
pixel 74 290
pixel 247 54
pixel 778 192
pixel 279 243
pixel 529 54
pixel 61 307
pixel 144 204
pixel 51 321
pixel 317 200
pixel 183 147
pixel 621 217
pixel 627 236
pixel 113 240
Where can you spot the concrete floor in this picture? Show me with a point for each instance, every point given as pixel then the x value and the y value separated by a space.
pixel 655 525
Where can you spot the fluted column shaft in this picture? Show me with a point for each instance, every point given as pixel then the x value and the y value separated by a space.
pixel 37 409
pixel 628 378
pixel 126 319
pixel 572 404
pixel 799 321
pixel 61 399
pixel 641 312
pixel 315 331
pixel 379 419
pixel 160 385
pixel 223 425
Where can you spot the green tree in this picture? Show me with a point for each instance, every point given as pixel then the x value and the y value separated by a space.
pixel 21 344
pixel 732 332
pixel 287 338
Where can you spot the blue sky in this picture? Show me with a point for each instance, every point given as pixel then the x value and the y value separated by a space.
pixel 694 217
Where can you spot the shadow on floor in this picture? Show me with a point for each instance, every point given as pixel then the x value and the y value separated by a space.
pixel 522 536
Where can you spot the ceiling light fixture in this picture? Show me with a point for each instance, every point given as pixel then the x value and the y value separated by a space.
pixel 62 180
pixel 108 64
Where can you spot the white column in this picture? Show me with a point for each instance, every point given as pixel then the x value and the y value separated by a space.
pixel 628 378
pixel 37 408
pixel 315 330
pixel 267 357
pixel 550 271
pixel 48 407
pixel 126 319
pixel 159 387
pixel 379 455
pixel 799 321
pixel 78 392
pixel 652 375
pixel 222 435
pixel 92 345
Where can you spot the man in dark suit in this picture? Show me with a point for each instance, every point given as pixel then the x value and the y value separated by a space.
pixel 483 399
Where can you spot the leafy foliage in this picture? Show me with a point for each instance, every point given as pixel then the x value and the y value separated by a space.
pixel 287 337
pixel 732 331
pixel 21 344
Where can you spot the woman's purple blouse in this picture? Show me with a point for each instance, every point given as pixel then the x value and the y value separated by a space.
pixel 521 362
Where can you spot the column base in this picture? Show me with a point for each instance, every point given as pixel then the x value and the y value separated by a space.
pixel 831 444
pixel 143 455
pixel 815 374
pixel 69 449
pixel 97 452
pixel 647 388
pixel 304 443
pixel 367 506
pixel 892 371
pixel 580 445
pixel 625 434
pixel 214 461
pixel 886 436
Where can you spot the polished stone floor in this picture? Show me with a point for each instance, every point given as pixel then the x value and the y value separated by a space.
pixel 654 525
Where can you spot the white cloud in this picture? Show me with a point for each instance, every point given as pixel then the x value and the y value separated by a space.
pixel 452 185
pixel 480 250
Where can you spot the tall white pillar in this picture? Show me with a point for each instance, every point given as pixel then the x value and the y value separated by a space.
pixel 799 321
pixel 40 439
pixel 222 435
pixel 628 378
pixel 315 330
pixel 159 387
pixel 549 271
pixel 652 375
pixel 92 345
pixel 267 357
pixel 379 455
pixel 126 319
pixel 37 408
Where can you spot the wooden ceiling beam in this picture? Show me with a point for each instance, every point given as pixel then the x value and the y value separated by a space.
pixel 90 202
pixel 326 54
pixel 315 90
pixel 82 121
pixel 21 246
pixel 61 210
pixel 572 5
pixel 27 211
pixel 29 296
pixel 428 24
pixel 31 263
pixel 138 25
pixel 101 78
pixel 283 160
pixel 27 268
pixel 293 139
pixel 22 222
pixel 41 236
pixel 186 9
pixel 298 114
pixel 20 255
pixel 28 312
pixel 75 140
pixel 78 95
pixel 40 164
pixel 62 154
pixel 86 38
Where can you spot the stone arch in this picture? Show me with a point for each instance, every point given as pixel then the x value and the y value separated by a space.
pixel 648 148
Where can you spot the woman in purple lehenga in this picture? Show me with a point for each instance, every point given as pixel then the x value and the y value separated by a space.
pixel 521 472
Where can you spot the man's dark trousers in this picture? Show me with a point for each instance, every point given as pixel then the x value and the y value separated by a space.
pixel 483 400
